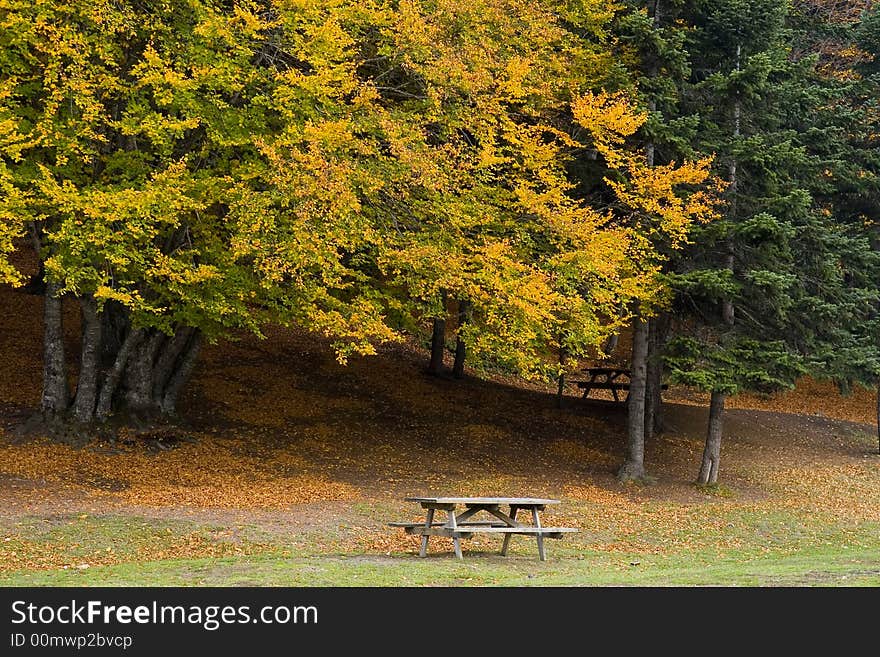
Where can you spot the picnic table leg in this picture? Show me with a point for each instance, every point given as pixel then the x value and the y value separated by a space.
pixel 610 381
pixel 537 522
pixel 588 387
pixel 513 510
pixel 456 541
pixel 451 524
pixel 429 520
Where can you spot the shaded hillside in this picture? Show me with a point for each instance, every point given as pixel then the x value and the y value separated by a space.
pixel 276 422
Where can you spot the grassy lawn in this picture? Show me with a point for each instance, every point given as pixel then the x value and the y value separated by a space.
pixel 770 549
pixel 811 567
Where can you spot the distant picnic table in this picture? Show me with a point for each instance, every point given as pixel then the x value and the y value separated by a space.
pixel 461 526
pixel 614 379
pixel 605 378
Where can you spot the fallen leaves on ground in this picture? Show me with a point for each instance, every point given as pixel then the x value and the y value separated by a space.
pixel 810 397
pixel 207 474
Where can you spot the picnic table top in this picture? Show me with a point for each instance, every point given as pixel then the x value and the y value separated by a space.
pixel 605 369
pixel 516 501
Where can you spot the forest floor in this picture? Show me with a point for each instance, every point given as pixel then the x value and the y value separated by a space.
pixel 290 466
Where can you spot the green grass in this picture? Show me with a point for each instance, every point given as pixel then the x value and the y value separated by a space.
pixel 81 534
pixel 715 490
pixel 781 548
pixel 828 567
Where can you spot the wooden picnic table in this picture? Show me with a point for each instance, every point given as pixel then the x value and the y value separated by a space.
pixel 606 378
pixel 458 526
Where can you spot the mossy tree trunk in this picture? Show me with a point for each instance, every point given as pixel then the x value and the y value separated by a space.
pixel 90 359
pixel 55 396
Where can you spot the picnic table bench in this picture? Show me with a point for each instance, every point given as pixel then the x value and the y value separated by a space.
pixel 607 378
pixel 461 526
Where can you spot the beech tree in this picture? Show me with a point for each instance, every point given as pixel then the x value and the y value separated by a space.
pixel 477 221
pixel 185 171
pixel 189 171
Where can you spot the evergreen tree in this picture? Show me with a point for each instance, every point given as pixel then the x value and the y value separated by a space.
pixel 850 51
pixel 775 288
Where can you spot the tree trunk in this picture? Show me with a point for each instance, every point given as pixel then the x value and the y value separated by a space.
pixel 712 452
pixel 662 325
pixel 727 310
pixel 653 70
pixel 438 342
pixel 115 329
pixel 464 310
pixel 652 379
pixel 139 376
pixel 560 380
pixel 37 283
pixel 610 345
pixel 634 465
pixel 458 364
pixel 56 396
pixel 114 375
pixel 87 384
pixel 144 379
pixel 657 335
pixel 560 389
pixel 168 405
pixel 878 418
pixel 164 368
